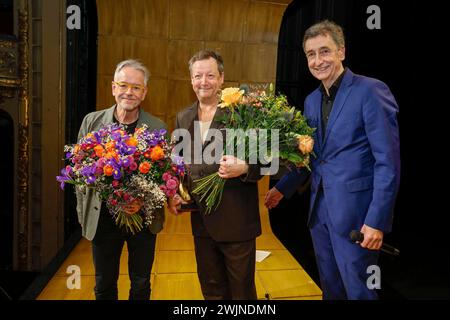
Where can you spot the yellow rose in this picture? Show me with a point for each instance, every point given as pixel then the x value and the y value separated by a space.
pixel 231 97
pixel 305 144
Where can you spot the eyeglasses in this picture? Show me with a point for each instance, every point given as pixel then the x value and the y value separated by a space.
pixel 124 86
pixel 323 53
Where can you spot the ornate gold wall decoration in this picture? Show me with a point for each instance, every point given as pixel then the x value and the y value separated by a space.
pixel 8 88
pixel 8 59
pixel 8 66
pixel 23 156
pixel 5 44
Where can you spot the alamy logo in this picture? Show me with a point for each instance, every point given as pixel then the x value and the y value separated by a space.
pixel 74 18
pixel 262 146
pixel 374 280
pixel 374 20
pixel 74 278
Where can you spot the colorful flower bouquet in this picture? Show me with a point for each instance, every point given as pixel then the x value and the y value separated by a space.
pixel 125 169
pixel 266 114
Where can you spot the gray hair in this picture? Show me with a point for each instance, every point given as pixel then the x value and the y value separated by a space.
pixel 324 28
pixel 135 64
pixel 205 55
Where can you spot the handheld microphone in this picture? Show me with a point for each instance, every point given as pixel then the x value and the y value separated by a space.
pixel 357 236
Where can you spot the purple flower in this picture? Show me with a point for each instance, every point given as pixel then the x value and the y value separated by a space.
pixel 97 136
pixel 116 136
pixel 179 162
pixel 91 179
pixel 126 162
pixel 113 162
pixel 62 179
pixel 65 176
pixel 125 149
pixel 89 171
pixel 156 137
pixel 117 174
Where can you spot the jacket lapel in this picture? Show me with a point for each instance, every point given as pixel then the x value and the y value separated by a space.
pixel 317 115
pixel 108 116
pixel 190 119
pixel 341 97
pixel 214 125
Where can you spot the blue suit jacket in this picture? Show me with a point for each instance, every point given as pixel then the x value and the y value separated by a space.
pixel 358 159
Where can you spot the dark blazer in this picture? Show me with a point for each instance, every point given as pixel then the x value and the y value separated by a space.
pixel 358 160
pixel 237 217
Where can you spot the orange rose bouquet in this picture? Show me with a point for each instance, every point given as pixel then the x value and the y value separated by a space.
pixel 125 169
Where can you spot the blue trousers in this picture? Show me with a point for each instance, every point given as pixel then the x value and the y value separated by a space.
pixel 342 264
pixel 107 247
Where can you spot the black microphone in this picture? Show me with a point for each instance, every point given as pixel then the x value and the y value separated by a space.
pixel 245 88
pixel 357 236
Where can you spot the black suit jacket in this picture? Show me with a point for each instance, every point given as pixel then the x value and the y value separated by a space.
pixel 237 216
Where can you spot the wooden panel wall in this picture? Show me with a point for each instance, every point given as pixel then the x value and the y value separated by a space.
pixel 165 34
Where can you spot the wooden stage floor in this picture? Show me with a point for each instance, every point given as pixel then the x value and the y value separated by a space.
pixel 174 275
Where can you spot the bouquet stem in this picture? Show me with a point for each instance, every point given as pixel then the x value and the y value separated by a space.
pixel 210 189
pixel 132 223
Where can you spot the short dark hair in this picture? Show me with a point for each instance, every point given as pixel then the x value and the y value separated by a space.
pixel 205 55
pixel 324 28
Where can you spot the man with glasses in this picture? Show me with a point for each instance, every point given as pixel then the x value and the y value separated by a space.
pixel 356 171
pixel 129 89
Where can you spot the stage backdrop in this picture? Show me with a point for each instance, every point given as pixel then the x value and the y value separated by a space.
pixel 165 34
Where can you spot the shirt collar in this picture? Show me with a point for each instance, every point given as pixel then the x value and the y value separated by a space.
pixel 334 87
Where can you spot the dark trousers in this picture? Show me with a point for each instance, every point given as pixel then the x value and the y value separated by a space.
pixel 226 270
pixel 342 264
pixel 107 248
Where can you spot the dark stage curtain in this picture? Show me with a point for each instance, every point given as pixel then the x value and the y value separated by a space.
pixel 81 86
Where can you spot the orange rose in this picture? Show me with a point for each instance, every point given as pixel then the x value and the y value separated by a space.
pixel 144 167
pixel 76 148
pixel 132 141
pixel 111 154
pixel 305 144
pixel 156 153
pixel 110 145
pixel 99 150
pixel 108 170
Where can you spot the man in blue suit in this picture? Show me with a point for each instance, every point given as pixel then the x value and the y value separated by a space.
pixel 356 172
